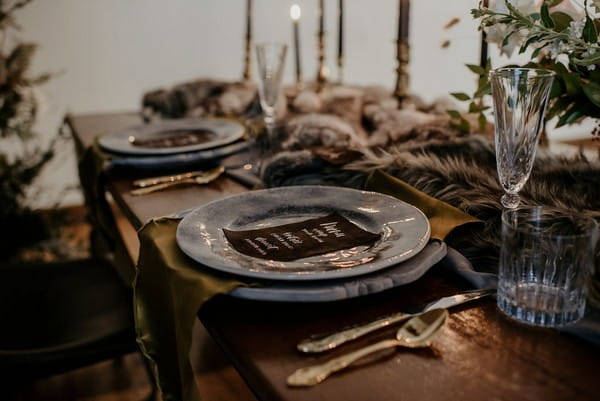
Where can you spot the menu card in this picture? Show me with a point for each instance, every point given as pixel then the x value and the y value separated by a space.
pixel 306 238
pixel 176 138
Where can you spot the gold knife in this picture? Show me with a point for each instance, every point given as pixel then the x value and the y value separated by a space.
pixel 320 343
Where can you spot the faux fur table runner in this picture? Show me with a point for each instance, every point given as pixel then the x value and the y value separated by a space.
pixel 458 169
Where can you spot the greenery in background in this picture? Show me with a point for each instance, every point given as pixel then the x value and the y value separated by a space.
pixel 18 108
pixel 562 36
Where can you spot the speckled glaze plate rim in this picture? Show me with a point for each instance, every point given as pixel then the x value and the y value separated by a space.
pixel 226 130
pixel 405 231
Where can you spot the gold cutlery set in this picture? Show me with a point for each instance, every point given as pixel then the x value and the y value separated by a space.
pixel 418 331
pixel 149 185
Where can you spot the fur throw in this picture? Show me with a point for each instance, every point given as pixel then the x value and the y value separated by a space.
pixel 200 98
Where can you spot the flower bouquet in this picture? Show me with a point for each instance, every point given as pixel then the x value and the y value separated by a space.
pixel 558 35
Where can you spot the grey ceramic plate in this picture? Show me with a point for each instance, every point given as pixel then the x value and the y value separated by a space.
pixel 178 160
pixel 222 132
pixel 404 231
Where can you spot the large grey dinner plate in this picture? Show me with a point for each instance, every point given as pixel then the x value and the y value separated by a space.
pixel 179 160
pixel 351 287
pixel 223 132
pixel 404 231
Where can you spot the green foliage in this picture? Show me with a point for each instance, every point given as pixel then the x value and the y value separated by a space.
pixel 547 34
pixel 476 103
pixel 18 108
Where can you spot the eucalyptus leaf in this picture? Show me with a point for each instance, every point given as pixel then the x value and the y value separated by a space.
pixel 477 69
pixel 484 90
pixel 545 14
pixel 590 34
pixel 557 88
pixel 463 126
pixel 461 96
pixel 572 82
pixel 482 122
pixel 454 114
pixel 592 91
pixel 561 20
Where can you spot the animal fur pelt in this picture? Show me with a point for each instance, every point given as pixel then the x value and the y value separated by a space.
pixel 460 171
pixel 199 98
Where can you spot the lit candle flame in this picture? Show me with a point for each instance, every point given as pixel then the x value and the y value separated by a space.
pixel 295 12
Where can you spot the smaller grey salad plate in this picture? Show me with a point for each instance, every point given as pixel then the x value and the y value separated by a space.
pixel 404 231
pixel 167 137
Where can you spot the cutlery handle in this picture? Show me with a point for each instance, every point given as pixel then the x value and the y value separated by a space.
pixel 312 375
pixel 329 341
pixel 160 187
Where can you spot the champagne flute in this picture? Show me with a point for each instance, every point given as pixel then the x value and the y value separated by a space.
pixel 520 96
pixel 270 59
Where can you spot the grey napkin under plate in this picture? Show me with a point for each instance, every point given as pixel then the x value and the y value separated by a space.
pixel 335 290
pixel 587 328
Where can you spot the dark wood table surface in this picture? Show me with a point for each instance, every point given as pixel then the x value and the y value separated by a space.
pixel 480 354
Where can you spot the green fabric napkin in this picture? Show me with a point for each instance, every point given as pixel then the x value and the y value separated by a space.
pixel 443 218
pixel 170 288
pixel 91 166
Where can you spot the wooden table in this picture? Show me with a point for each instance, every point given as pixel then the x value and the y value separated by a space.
pixel 480 354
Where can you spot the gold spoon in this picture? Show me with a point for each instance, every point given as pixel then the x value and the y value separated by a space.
pixel 417 332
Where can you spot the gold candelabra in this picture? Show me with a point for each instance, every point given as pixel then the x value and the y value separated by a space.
pixel 322 70
pixel 401 90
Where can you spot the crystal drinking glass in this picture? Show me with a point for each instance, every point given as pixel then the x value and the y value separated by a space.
pixel 546 260
pixel 270 59
pixel 520 96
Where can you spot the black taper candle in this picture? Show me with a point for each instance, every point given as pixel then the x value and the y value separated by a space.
pixel 340 59
pixel 483 53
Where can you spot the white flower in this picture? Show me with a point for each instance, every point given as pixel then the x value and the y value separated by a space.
pixel 576 28
pixel 497 32
pixel 526 7
pixel 555 49
pixel 591 11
